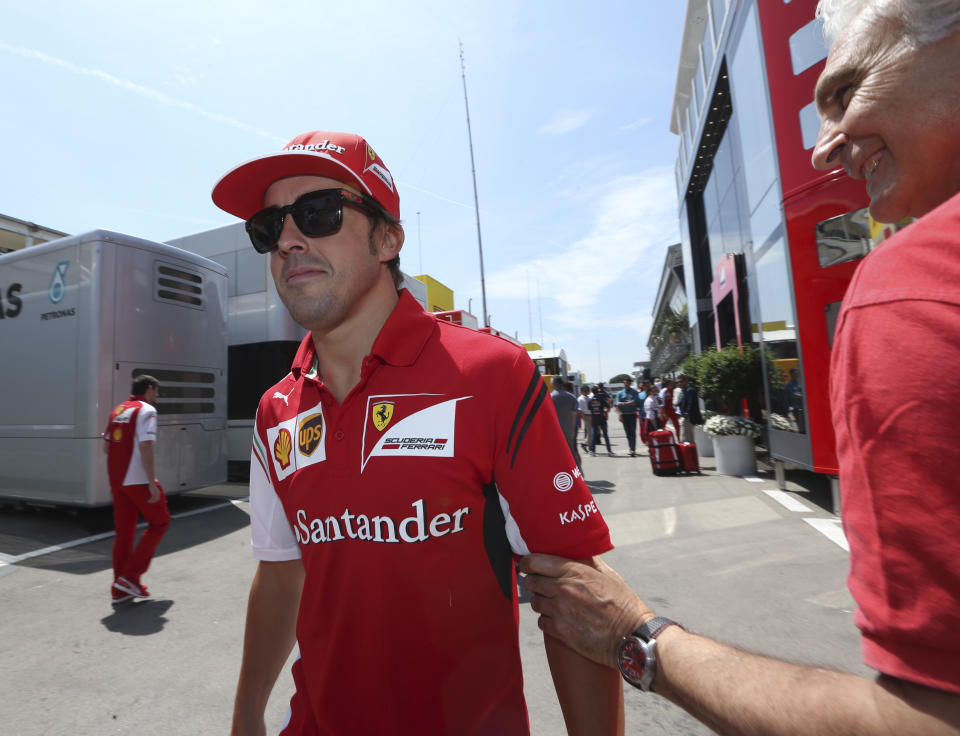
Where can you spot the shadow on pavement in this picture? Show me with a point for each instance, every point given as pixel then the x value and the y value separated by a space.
pixel 195 521
pixel 140 618
pixel 601 486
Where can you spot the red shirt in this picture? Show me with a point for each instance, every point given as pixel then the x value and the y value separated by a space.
pixel 407 503
pixel 895 393
pixel 132 422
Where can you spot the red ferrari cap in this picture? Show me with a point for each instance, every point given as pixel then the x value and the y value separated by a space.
pixel 343 156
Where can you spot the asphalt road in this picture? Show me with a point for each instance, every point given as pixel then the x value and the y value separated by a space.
pixel 716 553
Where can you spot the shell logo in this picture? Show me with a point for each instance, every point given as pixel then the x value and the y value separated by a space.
pixel 117 434
pixel 281 448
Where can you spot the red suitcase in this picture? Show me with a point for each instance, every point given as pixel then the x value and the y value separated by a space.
pixel 663 453
pixel 689 459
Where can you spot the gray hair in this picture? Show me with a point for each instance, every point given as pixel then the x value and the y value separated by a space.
pixel 923 22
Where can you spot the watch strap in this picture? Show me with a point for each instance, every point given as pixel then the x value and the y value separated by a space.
pixel 654 626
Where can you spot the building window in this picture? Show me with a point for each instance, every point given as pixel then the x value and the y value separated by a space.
pixel 809 125
pixel 807 46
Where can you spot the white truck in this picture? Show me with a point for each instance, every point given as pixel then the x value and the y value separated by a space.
pixel 262 336
pixel 80 317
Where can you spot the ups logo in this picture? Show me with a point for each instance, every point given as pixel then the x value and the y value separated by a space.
pixel 310 434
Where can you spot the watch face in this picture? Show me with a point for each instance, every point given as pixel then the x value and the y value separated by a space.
pixel 633 659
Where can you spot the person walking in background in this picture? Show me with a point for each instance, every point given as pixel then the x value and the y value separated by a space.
pixel 602 392
pixel 668 412
pixel 628 403
pixel 130 437
pixel 689 408
pixel 598 418
pixel 583 409
pixel 566 405
pixel 651 412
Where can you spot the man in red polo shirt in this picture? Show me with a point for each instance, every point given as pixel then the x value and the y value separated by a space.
pixel 396 472
pixel 130 437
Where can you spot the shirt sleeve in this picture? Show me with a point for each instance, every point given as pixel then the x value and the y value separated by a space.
pixel 146 424
pixel 271 536
pixel 546 503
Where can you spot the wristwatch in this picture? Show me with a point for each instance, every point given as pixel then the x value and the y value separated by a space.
pixel 637 653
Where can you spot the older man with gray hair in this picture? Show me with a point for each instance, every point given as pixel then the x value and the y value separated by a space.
pixel 889 101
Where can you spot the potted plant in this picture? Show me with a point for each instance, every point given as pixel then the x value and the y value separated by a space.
pixel 704 441
pixel 729 379
pixel 733 439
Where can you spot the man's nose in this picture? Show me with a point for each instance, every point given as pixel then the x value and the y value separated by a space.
pixel 830 143
pixel 290 236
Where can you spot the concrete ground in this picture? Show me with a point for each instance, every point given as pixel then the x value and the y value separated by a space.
pixel 716 553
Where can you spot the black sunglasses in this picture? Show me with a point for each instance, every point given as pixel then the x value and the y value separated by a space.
pixel 315 214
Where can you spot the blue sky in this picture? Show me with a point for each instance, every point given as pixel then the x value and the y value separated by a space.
pixel 122 115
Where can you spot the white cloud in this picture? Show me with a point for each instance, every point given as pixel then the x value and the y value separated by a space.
pixel 566 121
pixel 636 124
pixel 138 89
pixel 636 217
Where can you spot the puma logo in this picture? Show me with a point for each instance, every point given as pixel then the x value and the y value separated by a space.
pixel 285 397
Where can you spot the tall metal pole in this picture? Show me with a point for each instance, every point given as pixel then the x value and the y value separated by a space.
pixel 419 242
pixel 476 205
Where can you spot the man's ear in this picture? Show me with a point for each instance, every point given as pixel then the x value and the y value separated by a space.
pixel 389 239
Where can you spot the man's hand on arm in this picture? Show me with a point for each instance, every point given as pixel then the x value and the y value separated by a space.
pixel 585 604
pixel 269 637
pixel 589 691
pixel 590 608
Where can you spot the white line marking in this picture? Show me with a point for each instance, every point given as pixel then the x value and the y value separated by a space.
pixel 831 529
pixel 13 560
pixel 789 502
pixel 753 479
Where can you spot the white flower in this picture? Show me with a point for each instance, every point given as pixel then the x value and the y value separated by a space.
pixel 778 421
pixel 723 426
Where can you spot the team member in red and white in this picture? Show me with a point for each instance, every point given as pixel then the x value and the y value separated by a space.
pixel 889 102
pixel 396 472
pixel 130 437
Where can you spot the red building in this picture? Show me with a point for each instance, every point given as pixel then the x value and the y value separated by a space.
pixel 769 243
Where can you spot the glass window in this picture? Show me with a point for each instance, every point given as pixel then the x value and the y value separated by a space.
pixel 731 225
pixel 751 102
pixel 778 332
pixel 807 46
pixel 696 88
pixel 723 166
pixel 688 279
pixel 851 236
pixel 773 290
pixel 809 125
pixel 711 200
pixel 766 221
pixel 715 238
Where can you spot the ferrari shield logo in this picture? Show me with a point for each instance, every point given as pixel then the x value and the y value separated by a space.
pixel 382 414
